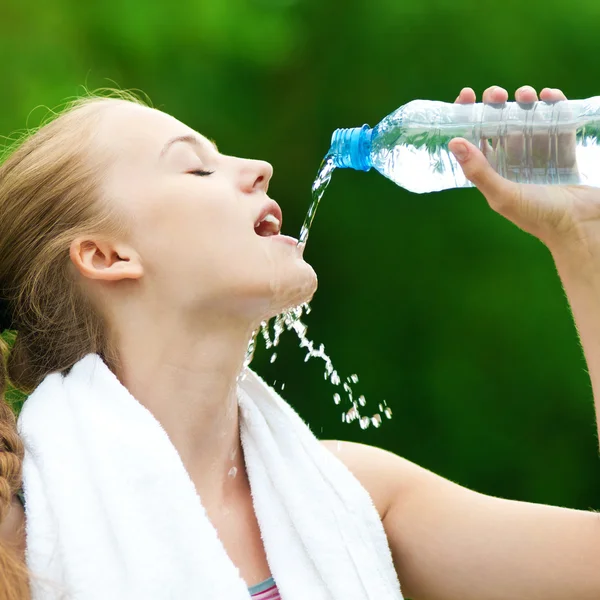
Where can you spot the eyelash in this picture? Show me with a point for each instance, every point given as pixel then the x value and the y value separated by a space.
pixel 201 173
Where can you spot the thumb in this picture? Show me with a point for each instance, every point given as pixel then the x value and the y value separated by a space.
pixel 476 168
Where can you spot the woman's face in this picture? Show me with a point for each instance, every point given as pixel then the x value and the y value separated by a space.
pixel 194 213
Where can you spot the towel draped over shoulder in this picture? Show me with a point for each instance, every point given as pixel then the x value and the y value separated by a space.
pixel 112 512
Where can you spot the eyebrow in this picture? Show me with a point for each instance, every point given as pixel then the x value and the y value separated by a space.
pixel 190 139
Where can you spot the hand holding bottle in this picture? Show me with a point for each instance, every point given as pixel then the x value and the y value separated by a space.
pixel 559 215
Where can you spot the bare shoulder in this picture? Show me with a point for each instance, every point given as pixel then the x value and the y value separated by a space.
pixel 12 528
pixel 385 475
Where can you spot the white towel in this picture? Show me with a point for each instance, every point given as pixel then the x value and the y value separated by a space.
pixel 112 513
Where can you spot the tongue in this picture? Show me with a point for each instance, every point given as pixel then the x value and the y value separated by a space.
pixel 266 229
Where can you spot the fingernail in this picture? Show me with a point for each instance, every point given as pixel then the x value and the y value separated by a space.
pixel 460 151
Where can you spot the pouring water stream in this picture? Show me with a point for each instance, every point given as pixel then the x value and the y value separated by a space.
pixel 290 320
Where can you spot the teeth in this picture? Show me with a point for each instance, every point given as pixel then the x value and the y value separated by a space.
pixel 269 219
pixel 272 219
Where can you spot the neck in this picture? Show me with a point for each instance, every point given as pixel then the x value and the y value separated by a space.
pixel 188 381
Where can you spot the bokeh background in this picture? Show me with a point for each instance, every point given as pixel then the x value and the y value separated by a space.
pixel 440 306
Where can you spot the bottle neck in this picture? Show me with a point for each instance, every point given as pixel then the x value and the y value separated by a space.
pixel 351 148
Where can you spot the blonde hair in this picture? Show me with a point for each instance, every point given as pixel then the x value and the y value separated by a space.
pixel 49 194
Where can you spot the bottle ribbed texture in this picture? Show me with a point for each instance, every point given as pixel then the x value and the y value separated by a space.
pixel 549 143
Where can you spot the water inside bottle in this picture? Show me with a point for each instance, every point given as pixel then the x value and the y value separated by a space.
pixel 538 143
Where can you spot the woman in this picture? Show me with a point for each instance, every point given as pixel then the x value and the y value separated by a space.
pixel 119 223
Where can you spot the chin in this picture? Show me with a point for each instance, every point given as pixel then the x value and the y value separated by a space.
pixel 289 292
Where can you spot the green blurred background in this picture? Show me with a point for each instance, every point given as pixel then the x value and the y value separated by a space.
pixel 444 309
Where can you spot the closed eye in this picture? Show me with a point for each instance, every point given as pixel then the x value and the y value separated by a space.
pixel 201 173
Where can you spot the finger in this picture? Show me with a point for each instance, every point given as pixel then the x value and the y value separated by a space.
pixel 476 168
pixel 495 94
pixel 526 94
pixel 467 96
pixel 552 95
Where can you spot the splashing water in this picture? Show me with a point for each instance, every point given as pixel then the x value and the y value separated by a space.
pixel 291 320
pixel 318 189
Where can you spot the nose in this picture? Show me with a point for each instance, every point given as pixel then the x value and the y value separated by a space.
pixel 255 176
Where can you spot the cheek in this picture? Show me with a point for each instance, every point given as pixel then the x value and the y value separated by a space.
pixel 180 230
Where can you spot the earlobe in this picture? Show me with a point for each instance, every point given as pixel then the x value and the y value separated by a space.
pixel 102 260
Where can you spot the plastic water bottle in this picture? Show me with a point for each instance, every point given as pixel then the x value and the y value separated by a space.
pixel 549 143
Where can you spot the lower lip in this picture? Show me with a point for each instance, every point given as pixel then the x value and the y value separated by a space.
pixel 285 239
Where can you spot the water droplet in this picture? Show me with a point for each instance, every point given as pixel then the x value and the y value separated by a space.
pixel 381 408
pixel 361 400
pixel 232 472
pixel 364 422
pixel 336 398
pixel 264 329
pixel 376 420
pixel 354 378
pixel 250 350
pixel 388 413
pixel 273 357
pixel 352 414
pixel 282 387
pixel 348 391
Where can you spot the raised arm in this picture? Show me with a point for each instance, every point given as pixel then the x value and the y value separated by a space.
pixel 578 265
pixel 565 218
pixel 451 543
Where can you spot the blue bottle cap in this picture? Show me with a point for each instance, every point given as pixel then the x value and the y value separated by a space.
pixel 351 148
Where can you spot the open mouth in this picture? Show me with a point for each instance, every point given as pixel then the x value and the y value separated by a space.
pixel 269 221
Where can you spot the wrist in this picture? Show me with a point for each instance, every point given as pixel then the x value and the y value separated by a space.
pixel 579 272
pixel 577 253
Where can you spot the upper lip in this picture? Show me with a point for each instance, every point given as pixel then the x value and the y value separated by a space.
pixel 270 208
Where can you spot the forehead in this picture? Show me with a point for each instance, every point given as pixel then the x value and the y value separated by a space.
pixel 133 132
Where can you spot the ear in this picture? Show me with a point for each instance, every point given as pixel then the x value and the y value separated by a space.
pixel 104 260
